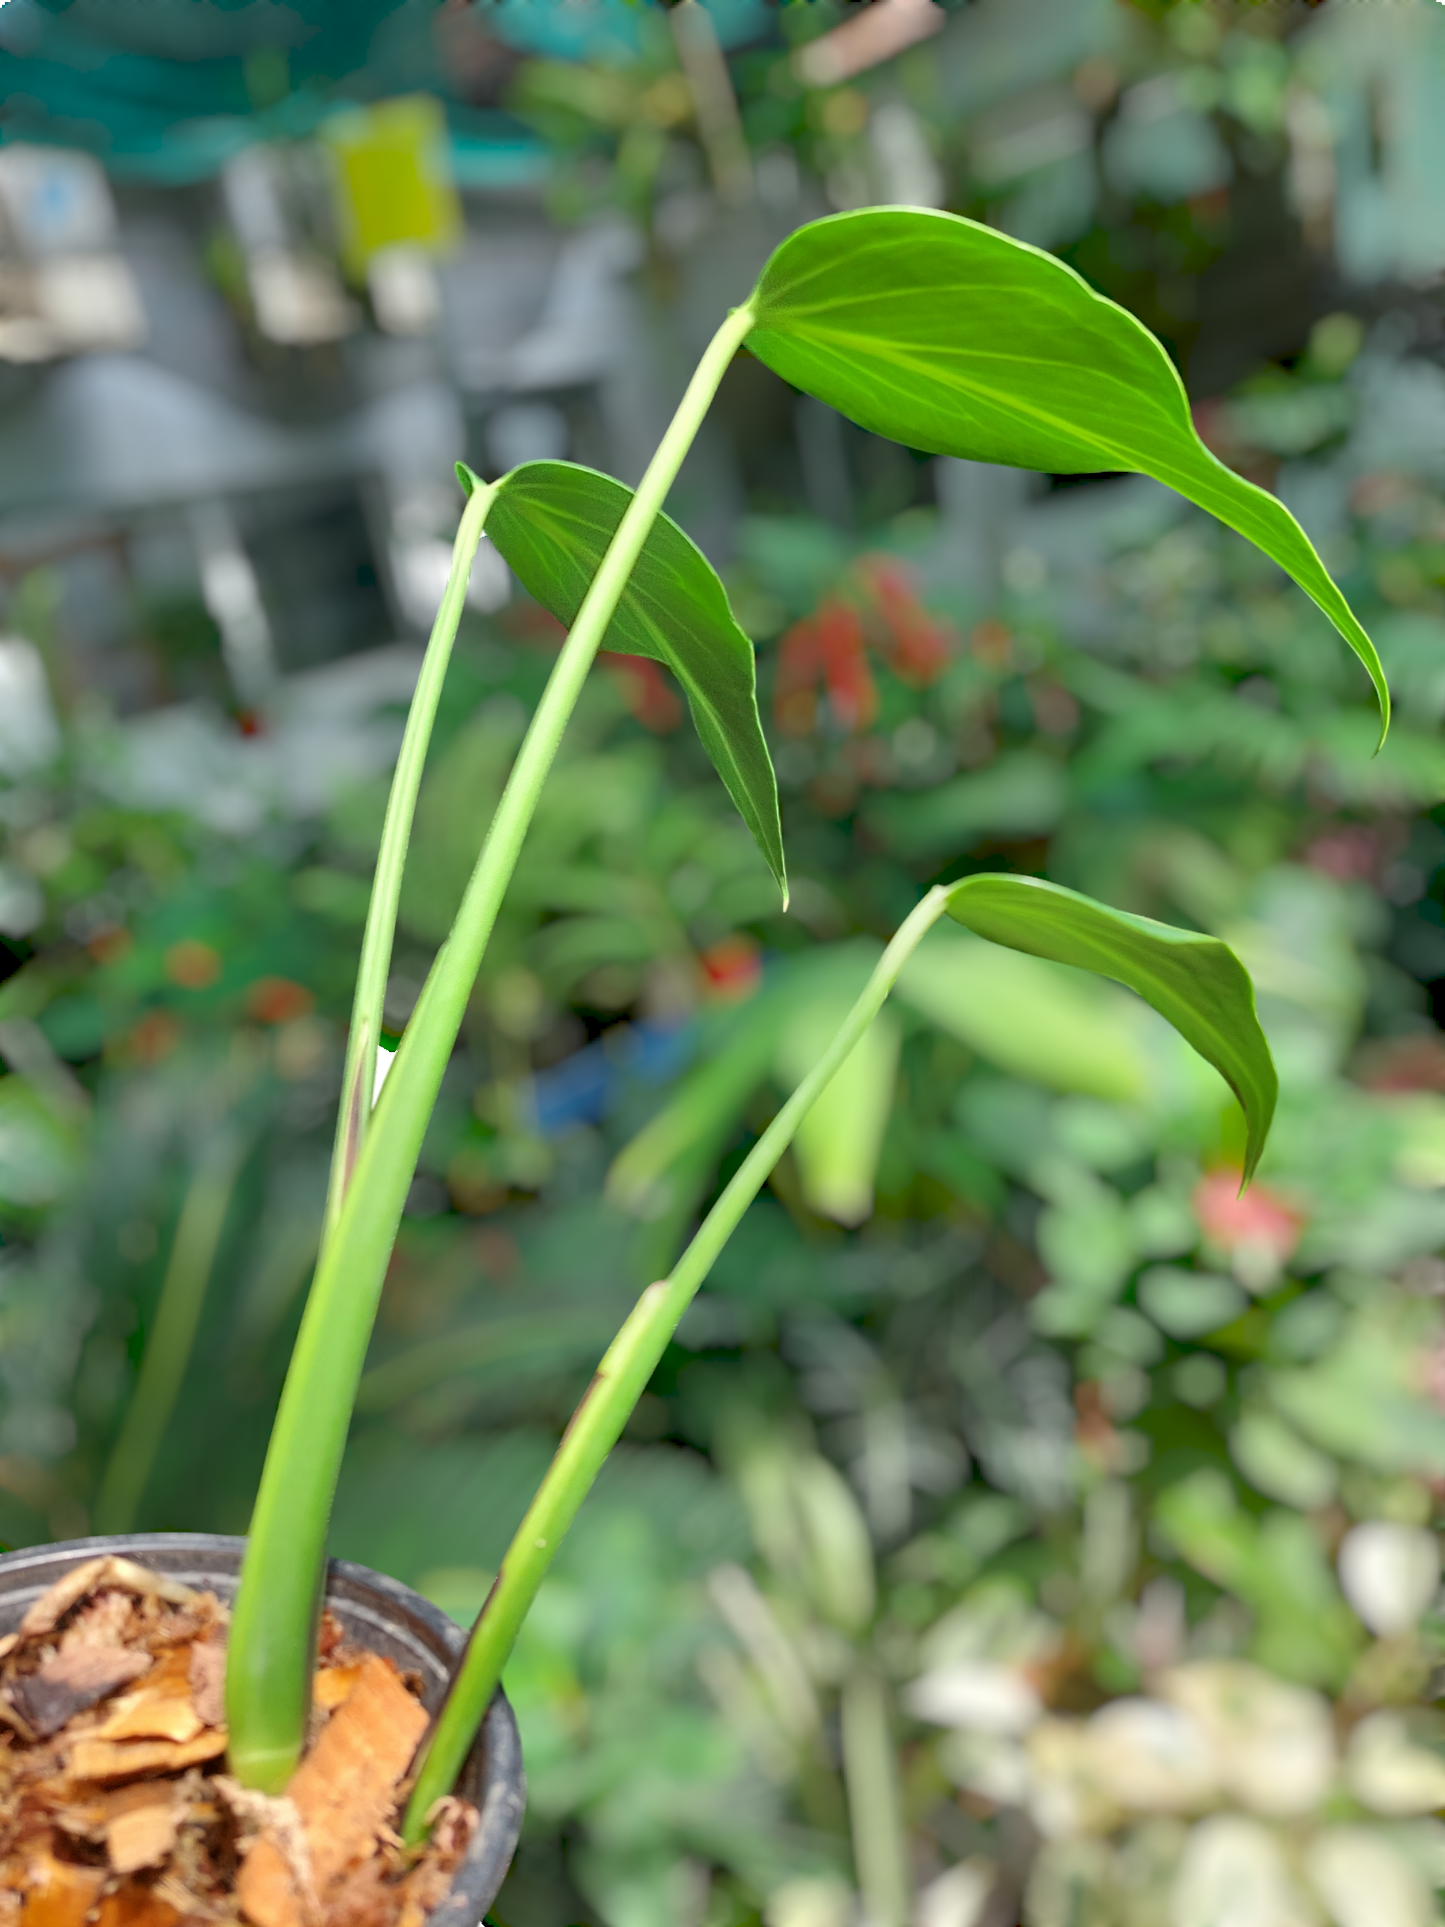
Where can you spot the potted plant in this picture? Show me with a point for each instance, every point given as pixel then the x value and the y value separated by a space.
pixel 923 327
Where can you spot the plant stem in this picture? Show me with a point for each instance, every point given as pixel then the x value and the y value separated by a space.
pixel 875 1810
pixel 268 1674
pixel 359 1076
pixel 172 1335
pixel 620 1381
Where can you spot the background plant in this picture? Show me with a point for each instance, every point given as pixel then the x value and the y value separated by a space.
pixel 1162 822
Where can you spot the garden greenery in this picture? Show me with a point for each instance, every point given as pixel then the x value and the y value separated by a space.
pixel 926 328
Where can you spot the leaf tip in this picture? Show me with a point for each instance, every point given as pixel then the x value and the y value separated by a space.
pixel 1256 1137
pixel 468 479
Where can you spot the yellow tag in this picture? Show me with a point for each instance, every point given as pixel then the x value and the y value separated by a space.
pixel 392 182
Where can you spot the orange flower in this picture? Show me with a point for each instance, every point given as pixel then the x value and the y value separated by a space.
pixel 148 1042
pixel 276 1000
pixel 192 964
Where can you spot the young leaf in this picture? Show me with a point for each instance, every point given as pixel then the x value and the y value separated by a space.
pixel 947 336
pixel 552 522
pixel 1196 982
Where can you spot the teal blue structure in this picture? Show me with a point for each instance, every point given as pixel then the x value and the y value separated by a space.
pixel 167 90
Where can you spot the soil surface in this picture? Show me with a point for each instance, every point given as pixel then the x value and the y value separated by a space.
pixel 115 1806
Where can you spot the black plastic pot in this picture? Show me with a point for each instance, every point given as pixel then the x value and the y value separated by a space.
pixel 377 1613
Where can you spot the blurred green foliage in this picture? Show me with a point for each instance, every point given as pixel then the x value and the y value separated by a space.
pixel 1119 1490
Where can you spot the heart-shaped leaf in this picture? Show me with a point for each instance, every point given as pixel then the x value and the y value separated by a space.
pixel 1196 982
pixel 552 522
pixel 948 336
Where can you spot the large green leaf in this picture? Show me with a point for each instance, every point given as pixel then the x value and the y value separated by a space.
pixel 1196 982
pixel 947 336
pixel 552 522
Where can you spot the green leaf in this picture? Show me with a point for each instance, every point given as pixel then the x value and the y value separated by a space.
pixel 947 336
pixel 1028 1017
pixel 1196 982
pixel 552 522
pixel 839 1142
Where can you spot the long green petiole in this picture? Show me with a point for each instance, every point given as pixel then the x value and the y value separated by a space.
pixel 271 1647
pixel 621 1379
pixel 359 1077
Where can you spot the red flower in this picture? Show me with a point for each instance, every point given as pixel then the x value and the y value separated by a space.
pixel 800 663
pixel 733 969
pixel 828 646
pixel 851 689
pixel 917 644
pixel 646 691
pixel 831 646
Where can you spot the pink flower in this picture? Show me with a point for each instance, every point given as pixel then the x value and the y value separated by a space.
pixel 1257 1232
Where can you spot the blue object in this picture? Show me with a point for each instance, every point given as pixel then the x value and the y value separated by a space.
pixel 168 90
pixel 609 30
pixel 590 1084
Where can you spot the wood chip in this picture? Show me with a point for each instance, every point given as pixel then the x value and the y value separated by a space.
pixel 74 1680
pixel 135 1905
pixel 164 1718
pixel 163 1708
pixel 194 1907
pixel 143 1832
pixel 275 1886
pixel 428 1884
pixel 332 1686
pixel 93 1576
pixel 10 1715
pixel 104 1622
pixel 85 1819
pixel 343 1791
pixel 119 1759
pixel 59 1894
pixel 363 1898
pixel 208 1680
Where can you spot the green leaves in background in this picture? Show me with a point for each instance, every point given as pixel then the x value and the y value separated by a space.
pixel 40 1148
pixel 838 1143
pixel 1194 981
pixel 1027 1017
pixel 552 522
pixel 947 336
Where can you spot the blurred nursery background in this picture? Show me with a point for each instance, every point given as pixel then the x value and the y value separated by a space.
pixel 1023 1528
